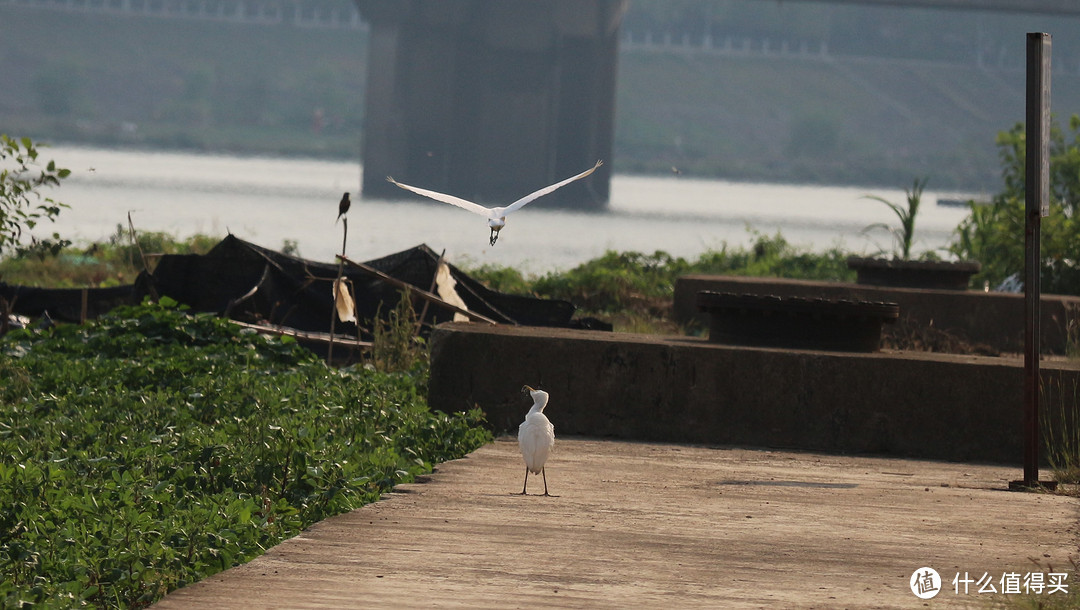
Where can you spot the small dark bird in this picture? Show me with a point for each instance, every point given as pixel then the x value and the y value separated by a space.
pixel 343 206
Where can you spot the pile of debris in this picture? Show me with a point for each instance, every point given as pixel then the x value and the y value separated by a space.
pixel 280 293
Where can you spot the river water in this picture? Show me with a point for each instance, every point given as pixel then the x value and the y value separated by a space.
pixel 268 201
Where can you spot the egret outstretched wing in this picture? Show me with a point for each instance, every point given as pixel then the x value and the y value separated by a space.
pixel 496 216
pixel 520 203
pixel 475 208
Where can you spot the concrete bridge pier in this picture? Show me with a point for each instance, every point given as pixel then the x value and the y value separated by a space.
pixel 491 99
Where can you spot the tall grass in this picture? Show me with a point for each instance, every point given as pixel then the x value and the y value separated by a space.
pixel 397 347
pixel 904 234
pixel 1059 415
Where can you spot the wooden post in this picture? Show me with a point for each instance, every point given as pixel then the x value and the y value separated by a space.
pixel 423 294
pixel 333 294
pixel 434 285
pixel 84 305
pixel 1037 198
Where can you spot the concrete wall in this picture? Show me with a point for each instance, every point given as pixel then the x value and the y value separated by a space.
pixel 687 390
pixel 993 318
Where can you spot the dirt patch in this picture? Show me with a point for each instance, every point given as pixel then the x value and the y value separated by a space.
pixel 908 335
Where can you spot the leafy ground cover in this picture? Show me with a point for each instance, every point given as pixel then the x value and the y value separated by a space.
pixel 152 448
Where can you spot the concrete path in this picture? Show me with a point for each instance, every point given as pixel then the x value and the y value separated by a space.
pixel 646 525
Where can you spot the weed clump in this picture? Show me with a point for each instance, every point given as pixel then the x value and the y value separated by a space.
pixel 397 347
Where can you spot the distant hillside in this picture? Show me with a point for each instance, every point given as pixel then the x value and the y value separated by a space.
pixel 278 89
pixel 116 79
pixel 864 121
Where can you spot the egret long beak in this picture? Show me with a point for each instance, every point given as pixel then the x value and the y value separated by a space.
pixel 526 389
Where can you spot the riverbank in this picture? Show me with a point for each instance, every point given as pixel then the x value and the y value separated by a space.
pixel 273 201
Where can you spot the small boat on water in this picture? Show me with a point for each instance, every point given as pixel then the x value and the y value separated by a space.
pixel 947 202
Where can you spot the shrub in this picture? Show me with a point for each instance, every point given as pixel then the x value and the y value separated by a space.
pixel 775 257
pixel 636 290
pixel 994 234
pixel 22 205
pixel 616 281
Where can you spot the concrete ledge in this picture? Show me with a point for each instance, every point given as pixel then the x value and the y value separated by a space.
pixel 673 389
pixel 993 318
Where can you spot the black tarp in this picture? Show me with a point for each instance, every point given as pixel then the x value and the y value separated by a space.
pixel 297 293
pixel 66 303
pixel 250 283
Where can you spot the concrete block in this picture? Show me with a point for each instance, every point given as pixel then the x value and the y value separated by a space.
pixel 992 318
pixel 687 390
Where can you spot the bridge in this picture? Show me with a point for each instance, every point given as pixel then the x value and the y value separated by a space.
pixel 1049 7
pixel 491 99
pixel 299 13
pixel 486 99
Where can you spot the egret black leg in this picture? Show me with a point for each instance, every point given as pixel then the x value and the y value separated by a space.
pixel 543 471
pixel 494 236
pixel 526 485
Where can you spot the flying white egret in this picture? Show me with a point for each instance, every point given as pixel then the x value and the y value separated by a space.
pixel 536 436
pixel 496 216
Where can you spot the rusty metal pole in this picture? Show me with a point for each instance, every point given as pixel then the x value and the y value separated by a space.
pixel 1037 205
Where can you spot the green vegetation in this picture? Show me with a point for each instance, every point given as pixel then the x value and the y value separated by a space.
pixel 905 233
pixel 151 448
pixel 113 262
pixel 993 234
pixel 396 346
pixel 636 290
pixel 632 288
pixel 1061 435
pixel 22 206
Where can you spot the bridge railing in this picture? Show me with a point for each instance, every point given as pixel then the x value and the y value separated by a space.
pixel 723 45
pixel 301 13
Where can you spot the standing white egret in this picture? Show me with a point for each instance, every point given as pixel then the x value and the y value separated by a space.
pixel 496 216
pixel 536 436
